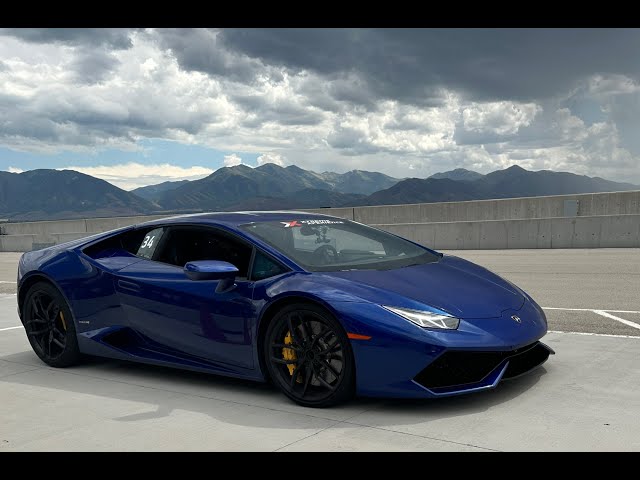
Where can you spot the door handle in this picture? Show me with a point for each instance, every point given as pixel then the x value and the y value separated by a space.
pixel 134 287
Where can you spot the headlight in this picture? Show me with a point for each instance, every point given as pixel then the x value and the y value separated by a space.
pixel 426 319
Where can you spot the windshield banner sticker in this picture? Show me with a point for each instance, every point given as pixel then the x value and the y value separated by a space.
pixel 299 223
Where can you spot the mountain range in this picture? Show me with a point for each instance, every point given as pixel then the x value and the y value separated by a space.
pixel 54 194
pixel 239 187
pixel 508 183
pixel 458 174
pixel 153 192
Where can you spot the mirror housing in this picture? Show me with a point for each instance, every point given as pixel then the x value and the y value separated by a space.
pixel 210 270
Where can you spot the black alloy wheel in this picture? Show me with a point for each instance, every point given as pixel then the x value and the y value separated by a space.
pixel 49 326
pixel 309 356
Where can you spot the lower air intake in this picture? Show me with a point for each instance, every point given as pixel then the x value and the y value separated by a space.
pixel 526 361
pixel 460 368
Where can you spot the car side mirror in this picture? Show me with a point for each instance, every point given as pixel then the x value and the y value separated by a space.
pixel 213 270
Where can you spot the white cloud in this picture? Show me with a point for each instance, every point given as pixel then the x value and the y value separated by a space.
pixel 604 85
pixel 133 175
pixel 271 158
pixel 232 160
pixel 15 170
pixel 396 128
pixel 501 118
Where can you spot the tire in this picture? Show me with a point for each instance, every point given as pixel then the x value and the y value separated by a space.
pixel 49 326
pixel 309 356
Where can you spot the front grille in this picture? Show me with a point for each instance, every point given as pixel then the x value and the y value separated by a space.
pixel 459 368
pixel 525 361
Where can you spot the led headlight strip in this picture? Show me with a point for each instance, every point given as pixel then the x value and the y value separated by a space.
pixel 426 319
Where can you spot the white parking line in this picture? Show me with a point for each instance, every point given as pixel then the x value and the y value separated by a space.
pixel 591 310
pixel 621 320
pixel 10 328
pixel 602 312
pixel 591 334
pixel 6 281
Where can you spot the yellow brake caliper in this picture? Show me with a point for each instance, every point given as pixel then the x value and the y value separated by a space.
pixel 64 324
pixel 289 354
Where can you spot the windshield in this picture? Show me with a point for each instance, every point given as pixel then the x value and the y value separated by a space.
pixel 333 245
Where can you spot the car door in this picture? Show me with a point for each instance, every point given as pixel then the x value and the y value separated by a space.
pixel 185 317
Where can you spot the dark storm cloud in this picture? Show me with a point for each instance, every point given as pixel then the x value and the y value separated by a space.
pixel 115 38
pixel 94 66
pixel 79 121
pixel 352 90
pixel 199 50
pixel 350 141
pixel 624 110
pixel 316 91
pixel 283 112
pixel 411 65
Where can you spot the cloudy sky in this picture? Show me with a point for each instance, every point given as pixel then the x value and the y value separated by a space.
pixel 138 107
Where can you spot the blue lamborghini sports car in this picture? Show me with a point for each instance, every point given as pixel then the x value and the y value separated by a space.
pixel 323 307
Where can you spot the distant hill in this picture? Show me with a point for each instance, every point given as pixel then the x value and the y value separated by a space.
pixel 54 194
pixel 307 198
pixel 419 190
pixel 239 185
pixel 517 182
pixel 359 181
pixel 459 174
pixel 153 192
pixel 509 183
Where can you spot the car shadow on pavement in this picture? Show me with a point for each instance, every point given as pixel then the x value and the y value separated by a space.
pixel 397 410
pixel 171 389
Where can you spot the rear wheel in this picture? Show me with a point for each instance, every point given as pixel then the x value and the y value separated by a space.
pixel 49 326
pixel 309 356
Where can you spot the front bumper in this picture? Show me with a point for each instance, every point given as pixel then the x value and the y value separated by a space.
pixel 477 356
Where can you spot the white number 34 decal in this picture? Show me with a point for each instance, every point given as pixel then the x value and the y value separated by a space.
pixel 148 241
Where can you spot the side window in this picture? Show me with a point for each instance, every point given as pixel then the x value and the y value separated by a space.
pixel 188 244
pixel 150 243
pixel 264 267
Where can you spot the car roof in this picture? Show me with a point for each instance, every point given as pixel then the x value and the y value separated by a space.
pixel 234 219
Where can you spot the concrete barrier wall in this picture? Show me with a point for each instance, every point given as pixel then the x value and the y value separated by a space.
pixel 105 224
pixel 579 232
pixel 25 236
pixel 95 225
pixel 44 228
pixel 341 212
pixel 590 204
pixel 569 232
pixel 602 220
pixel 17 243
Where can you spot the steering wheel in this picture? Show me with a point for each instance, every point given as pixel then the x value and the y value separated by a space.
pixel 327 254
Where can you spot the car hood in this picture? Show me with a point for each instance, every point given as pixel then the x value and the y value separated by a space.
pixel 457 286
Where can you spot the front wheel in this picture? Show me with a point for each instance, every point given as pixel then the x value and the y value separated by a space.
pixel 49 326
pixel 309 356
